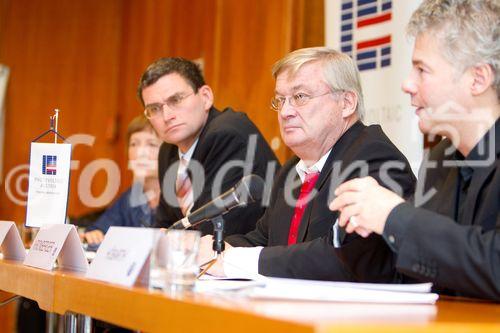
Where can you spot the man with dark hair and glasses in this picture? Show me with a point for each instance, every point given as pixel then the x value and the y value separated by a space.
pixel 319 104
pixel 205 151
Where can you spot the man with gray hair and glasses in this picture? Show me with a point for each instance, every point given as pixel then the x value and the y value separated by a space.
pixel 319 105
pixel 449 233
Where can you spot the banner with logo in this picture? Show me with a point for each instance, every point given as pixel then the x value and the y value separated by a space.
pixel 372 32
pixel 48 184
pixel 4 77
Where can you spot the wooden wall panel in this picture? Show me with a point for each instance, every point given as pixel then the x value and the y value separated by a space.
pixel 250 37
pixel 311 30
pixel 85 57
pixel 154 29
pixel 62 54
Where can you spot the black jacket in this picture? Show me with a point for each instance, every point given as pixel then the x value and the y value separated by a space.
pixel 224 139
pixel 429 244
pixel 312 257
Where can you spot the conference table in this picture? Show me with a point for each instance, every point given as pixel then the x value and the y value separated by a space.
pixel 139 308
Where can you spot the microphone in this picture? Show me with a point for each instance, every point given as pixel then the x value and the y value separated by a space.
pixel 247 190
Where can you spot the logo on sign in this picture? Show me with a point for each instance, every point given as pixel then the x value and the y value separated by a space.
pixel 361 37
pixel 49 165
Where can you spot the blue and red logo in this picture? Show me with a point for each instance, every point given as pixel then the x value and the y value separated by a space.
pixel 49 165
pixel 360 17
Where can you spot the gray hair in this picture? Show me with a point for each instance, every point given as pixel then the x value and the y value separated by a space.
pixel 339 70
pixel 469 31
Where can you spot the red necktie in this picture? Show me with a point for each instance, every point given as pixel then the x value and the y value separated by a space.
pixel 301 205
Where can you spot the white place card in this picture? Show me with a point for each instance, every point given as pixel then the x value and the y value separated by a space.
pixel 57 241
pixel 122 256
pixel 11 244
pixel 48 184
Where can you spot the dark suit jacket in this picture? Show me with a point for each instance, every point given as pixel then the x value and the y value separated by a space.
pixel 311 257
pixel 430 245
pixel 224 139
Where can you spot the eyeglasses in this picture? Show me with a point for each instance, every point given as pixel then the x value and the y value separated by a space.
pixel 173 102
pixel 299 99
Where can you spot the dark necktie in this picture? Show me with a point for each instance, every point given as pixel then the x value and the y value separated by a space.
pixel 465 176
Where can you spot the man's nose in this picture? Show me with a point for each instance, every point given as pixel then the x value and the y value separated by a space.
pixel 409 86
pixel 167 113
pixel 287 110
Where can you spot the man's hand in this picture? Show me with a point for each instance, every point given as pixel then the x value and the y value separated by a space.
pixel 94 237
pixel 206 253
pixel 364 205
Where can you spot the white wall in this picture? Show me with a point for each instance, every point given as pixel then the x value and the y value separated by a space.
pixel 385 103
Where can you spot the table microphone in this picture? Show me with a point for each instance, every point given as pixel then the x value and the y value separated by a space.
pixel 249 189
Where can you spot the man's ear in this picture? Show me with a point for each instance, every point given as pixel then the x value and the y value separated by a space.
pixel 482 78
pixel 349 103
pixel 207 95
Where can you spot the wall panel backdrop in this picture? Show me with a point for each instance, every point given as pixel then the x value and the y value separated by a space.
pixel 62 54
pixel 85 58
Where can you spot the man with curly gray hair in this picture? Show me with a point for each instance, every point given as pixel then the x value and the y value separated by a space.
pixel 449 233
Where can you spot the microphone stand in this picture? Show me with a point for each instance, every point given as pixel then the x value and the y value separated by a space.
pixel 218 244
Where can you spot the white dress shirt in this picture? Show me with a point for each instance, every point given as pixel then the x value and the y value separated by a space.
pixel 187 155
pixel 244 261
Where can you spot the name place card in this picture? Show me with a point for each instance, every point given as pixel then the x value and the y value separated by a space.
pixel 57 242
pixel 11 244
pixel 122 256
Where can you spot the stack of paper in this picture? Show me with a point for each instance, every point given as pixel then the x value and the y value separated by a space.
pixel 308 290
pixel 208 284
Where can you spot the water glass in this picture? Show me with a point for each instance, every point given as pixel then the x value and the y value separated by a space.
pixel 181 267
pixel 157 263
